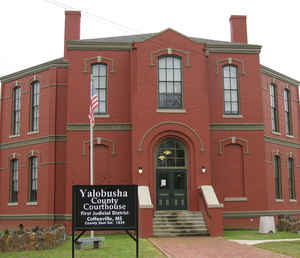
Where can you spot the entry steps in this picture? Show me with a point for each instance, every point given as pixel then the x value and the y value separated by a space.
pixel 173 223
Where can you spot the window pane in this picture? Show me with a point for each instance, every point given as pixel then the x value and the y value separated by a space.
pixel 233 71
pixel 95 82
pixel 177 63
pixel 103 70
pixel 102 107
pixel 170 62
pixel 102 95
pixel 162 62
pixel 227 95
pixel 95 70
pixel 162 87
pixel 234 107
pixel 226 71
pixel 233 84
pixel 170 87
pixel 170 75
pixel 177 75
pixel 177 87
pixel 102 82
pixel 234 96
pixel 226 83
pixel 227 107
pixel 162 74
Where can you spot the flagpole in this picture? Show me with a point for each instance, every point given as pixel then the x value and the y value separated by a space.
pixel 91 161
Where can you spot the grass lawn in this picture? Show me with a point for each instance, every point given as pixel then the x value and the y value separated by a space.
pixel 248 234
pixel 119 246
pixel 287 248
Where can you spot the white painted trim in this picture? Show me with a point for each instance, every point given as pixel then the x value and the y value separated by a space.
pixel 210 196
pixel 144 197
pixel 235 199
pixel 279 200
pixel 102 116
pixel 170 110
pixel 31 203
pixel 13 204
pixel 232 116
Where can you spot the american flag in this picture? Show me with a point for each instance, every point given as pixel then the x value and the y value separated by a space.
pixel 93 105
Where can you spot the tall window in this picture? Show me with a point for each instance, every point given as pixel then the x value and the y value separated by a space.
pixel 33 177
pixel 287 111
pixel 231 94
pixel 35 102
pixel 169 82
pixel 14 180
pixel 274 111
pixel 99 82
pixel 291 178
pixel 16 111
pixel 277 177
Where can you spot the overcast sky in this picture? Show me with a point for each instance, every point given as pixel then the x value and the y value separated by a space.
pixel 32 31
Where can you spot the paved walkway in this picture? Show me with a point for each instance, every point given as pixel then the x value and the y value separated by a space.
pixel 209 247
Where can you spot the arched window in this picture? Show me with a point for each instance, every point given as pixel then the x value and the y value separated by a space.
pixel 16 111
pixel 278 192
pixel 287 111
pixel 14 180
pixel 169 82
pixel 33 178
pixel 231 93
pixel 274 108
pixel 35 102
pixel 291 179
pixel 99 83
pixel 171 154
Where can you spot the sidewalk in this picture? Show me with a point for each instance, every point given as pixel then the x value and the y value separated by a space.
pixel 254 242
pixel 209 247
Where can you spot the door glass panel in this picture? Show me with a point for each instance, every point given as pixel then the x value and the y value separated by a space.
pixel 163 181
pixel 179 183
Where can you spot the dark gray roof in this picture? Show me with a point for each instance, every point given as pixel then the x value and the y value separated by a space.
pixel 143 37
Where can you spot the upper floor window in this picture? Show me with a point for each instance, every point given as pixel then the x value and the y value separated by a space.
pixel 291 179
pixel 16 111
pixel 14 180
pixel 170 82
pixel 274 110
pixel 99 83
pixel 231 94
pixel 33 179
pixel 278 194
pixel 287 111
pixel 35 102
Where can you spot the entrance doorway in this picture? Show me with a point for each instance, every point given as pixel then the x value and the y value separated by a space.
pixel 171 175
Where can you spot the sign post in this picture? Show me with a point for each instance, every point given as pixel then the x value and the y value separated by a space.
pixel 105 207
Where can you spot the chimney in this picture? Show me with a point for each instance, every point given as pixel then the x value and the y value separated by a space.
pixel 72 28
pixel 238 28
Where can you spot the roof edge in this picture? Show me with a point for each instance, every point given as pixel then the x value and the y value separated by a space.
pixel 278 75
pixel 59 62
pixel 233 48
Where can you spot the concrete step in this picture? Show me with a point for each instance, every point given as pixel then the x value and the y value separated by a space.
pixel 178 223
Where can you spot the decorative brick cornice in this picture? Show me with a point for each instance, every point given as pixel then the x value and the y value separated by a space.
pixel 247 214
pixel 236 127
pixel 35 69
pixel 281 142
pixel 234 49
pixel 279 76
pixel 92 45
pixel 100 127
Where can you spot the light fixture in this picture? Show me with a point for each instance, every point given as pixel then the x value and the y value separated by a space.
pixel 203 169
pixel 140 169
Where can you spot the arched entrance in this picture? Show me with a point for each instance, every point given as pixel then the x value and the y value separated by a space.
pixel 171 175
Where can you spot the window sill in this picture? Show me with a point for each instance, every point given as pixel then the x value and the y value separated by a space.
pixel 279 200
pixel 102 116
pixel 13 204
pixel 235 199
pixel 32 132
pixel 170 110
pixel 293 200
pixel 232 116
pixel 13 136
pixel 290 136
pixel 276 133
pixel 31 203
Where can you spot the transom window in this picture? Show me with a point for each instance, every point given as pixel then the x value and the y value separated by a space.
pixel 274 110
pixel 14 180
pixel 99 82
pixel 33 176
pixel 287 111
pixel 35 102
pixel 16 111
pixel 230 86
pixel 169 82
pixel 171 154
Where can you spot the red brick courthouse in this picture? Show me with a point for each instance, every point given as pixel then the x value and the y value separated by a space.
pixel 200 125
